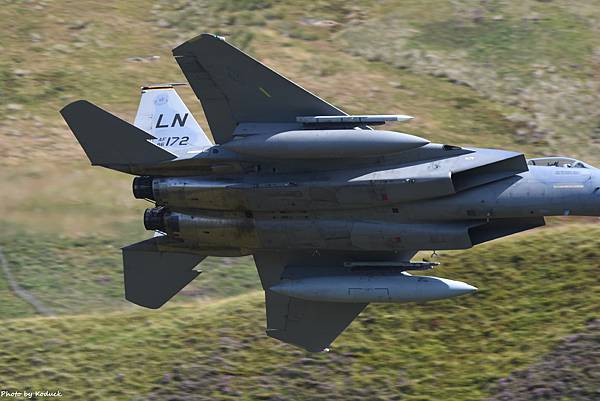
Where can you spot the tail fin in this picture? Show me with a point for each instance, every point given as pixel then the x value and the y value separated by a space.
pixel 234 88
pixel 163 114
pixel 109 141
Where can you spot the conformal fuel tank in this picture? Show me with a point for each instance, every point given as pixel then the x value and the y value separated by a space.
pixel 317 144
pixel 357 288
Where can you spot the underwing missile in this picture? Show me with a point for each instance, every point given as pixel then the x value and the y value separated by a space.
pixel 355 119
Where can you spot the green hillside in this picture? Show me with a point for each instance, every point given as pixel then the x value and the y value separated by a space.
pixel 516 75
pixel 80 274
pixel 534 290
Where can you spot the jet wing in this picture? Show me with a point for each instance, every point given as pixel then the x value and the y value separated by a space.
pixel 234 88
pixel 311 325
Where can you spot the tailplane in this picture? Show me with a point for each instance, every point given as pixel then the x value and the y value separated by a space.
pixel 109 141
pixel 152 276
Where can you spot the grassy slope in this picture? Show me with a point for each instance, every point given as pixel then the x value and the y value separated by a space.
pixel 538 58
pixel 11 305
pixel 571 368
pixel 83 273
pixel 452 350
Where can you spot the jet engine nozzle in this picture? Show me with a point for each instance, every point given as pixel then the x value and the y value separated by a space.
pixel 142 188
pixel 154 219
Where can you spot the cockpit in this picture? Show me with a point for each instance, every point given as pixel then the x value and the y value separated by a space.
pixel 557 161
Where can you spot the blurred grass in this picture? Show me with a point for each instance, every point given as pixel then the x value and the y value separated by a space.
pixel 537 61
pixel 82 274
pixel 11 305
pixel 512 42
pixel 533 289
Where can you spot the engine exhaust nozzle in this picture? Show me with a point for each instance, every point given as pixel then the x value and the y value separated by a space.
pixel 142 188
pixel 154 219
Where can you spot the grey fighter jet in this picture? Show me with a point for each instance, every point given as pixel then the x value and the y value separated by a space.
pixel 331 209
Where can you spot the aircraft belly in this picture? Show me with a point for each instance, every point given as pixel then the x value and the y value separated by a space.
pixel 192 193
pixel 202 193
pixel 216 229
pixel 355 235
pixel 381 236
pixel 289 234
pixel 280 197
pixel 304 234
pixel 339 230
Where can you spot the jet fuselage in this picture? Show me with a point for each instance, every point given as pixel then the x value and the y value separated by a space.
pixel 440 204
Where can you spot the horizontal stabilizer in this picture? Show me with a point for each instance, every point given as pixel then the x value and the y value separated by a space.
pixel 109 141
pixel 153 277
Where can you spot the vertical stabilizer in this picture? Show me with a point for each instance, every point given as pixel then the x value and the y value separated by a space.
pixel 163 114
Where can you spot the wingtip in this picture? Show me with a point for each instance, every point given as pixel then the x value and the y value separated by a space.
pixel 203 36
pixel 182 47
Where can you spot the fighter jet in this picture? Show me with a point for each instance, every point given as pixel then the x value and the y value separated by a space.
pixel 331 209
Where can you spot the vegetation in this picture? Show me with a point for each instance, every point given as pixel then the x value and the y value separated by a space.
pixel 454 349
pixel 82 274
